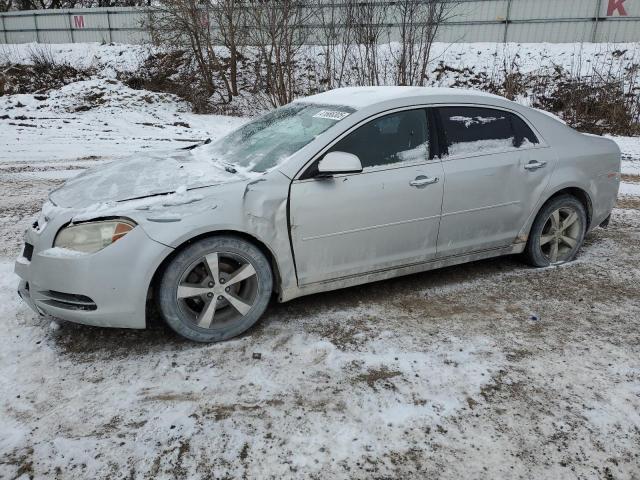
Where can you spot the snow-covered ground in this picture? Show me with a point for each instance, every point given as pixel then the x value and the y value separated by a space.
pixel 630 149
pixel 486 370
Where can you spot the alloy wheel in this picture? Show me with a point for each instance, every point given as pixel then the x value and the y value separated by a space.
pixel 560 235
pixel 217 289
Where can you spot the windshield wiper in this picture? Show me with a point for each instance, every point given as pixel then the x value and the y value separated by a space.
pixel 227 167
pixel 199 144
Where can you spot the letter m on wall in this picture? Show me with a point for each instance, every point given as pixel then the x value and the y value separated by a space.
pixel 616 6
pixel 78 21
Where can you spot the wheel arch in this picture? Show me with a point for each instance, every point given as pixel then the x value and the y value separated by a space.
pixel 580 193
pixel 215 233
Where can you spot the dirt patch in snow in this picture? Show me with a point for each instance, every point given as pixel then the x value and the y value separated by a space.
pixel 629 202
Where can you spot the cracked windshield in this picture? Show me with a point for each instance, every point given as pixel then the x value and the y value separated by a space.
pixel 264 143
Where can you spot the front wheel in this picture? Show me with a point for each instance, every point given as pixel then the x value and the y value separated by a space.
pixel 215 289
pixel 557 232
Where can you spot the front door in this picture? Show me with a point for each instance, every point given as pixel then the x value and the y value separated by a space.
pixel 496 170
pixel 384 217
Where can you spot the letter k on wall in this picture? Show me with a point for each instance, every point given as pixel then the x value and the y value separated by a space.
pixel 616 5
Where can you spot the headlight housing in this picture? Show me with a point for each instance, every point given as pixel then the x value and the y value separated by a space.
pixel 91 237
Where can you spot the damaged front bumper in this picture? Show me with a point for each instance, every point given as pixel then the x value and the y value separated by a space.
pixel 108 288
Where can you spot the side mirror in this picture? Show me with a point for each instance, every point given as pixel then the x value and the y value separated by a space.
pixel 334 163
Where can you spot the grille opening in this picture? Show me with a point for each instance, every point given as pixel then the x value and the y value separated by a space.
pixel 70 301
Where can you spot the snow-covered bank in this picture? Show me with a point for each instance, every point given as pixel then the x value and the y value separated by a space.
pixel 109 59
pixel 100 118
pixel 104 117
pixel 97 120
pixel 630 149
pixel 580 58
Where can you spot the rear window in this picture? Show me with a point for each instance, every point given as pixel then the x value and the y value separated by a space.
pixel 478 130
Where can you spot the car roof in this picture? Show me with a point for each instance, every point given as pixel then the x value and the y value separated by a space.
pixel 361 97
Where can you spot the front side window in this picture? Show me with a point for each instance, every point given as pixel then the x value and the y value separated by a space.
pixel 392 139
pixel 267 141
pixel 477 130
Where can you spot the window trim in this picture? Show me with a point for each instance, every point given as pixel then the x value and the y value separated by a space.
pixel 443 141
pixel 305 174
pixel 439 139
pixel 438 135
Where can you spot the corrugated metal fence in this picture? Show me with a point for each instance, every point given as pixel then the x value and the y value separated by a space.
pixel 121 25
pixel 554 21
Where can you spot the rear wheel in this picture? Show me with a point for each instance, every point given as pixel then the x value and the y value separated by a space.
pixel 557 232
pixel 215 289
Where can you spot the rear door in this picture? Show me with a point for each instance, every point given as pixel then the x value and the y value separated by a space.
pixel 382 218
pixel 496 169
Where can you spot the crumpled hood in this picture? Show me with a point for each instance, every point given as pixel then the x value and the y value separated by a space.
pixel 142 176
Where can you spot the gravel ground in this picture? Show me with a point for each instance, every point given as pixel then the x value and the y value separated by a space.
pixel 486 370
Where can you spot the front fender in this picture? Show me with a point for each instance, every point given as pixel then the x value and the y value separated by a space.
pixel 258 210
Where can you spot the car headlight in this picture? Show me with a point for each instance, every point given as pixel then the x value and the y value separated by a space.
pixel 91 237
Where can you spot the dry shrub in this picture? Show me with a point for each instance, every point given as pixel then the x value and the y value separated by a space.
pixel 600 103
pixel 169 72
pixel 187 24
pixel 604 102
pixel 594 106
pixel 43 73
pixel 43 61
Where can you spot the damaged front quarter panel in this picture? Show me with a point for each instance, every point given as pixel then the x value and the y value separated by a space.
pixel 256 208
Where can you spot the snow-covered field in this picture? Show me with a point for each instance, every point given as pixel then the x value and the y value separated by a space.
pixel 486 370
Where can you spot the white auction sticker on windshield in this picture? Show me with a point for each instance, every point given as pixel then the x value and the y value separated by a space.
pixel 331 114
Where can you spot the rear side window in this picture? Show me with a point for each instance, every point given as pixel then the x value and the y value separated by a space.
pixel 477 130
pixel 524 135
pixel 395 138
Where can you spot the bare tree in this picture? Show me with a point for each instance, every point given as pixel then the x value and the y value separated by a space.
pixel 369 27
pixel 230 17
pixel 277 32
pixel 186 24
pixel 7 5
pixel 335 36
pixel 418 23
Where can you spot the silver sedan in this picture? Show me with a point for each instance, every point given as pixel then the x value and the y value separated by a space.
pixel 342 188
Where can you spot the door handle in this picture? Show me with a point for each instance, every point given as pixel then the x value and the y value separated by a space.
pixel 422 181
pixel 534 165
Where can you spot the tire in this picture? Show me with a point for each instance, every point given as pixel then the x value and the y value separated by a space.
pixel 553 241
pixel 204 306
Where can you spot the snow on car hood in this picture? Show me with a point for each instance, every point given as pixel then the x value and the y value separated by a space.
pixel 146 175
